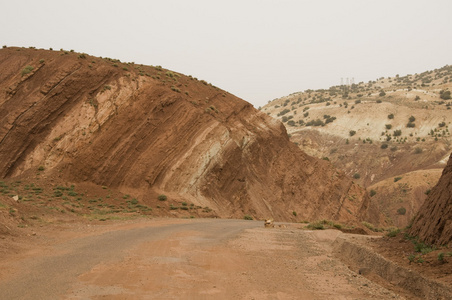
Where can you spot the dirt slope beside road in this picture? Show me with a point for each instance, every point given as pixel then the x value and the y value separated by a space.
pixel 186 259
pixel 433 223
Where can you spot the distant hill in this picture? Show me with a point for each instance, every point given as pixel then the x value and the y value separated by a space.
pixel 173 145
pixel 380 133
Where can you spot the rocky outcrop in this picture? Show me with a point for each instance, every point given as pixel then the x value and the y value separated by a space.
pixel 146 130
pixel 433 223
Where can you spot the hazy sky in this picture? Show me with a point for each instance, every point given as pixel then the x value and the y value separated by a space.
pixel 256 49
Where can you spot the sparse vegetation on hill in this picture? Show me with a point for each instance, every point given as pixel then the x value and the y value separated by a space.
pixel 408 115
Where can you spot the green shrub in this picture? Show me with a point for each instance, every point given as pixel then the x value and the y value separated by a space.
pixel 248 217
pixel 421 247
pixel 356 176
pixel 411 119
pixel 410 125
pixel 352 132
pixel 316 122
pixel 401 211
pixel 175 89
pixel 384 146
pixel 283 112
pixel 27 70
pixel 391 116
pixel 445 95
pixel 372 227
pixel 162 197
pixel 397 179
pixel 393 233
pixel 397 132
pixel 337 226
pixel 316 225
pixel 372 193
pixel 382 93
pixel 57 193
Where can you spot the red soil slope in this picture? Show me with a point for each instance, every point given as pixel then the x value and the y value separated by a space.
pixel 144 130
pixel 433 224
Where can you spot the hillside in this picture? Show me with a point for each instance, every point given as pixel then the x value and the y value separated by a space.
pixel 88 135
pixel 378 133
pixel 433 223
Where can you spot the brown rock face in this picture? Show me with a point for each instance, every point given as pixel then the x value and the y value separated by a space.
pixel 145 130
pixel 433 224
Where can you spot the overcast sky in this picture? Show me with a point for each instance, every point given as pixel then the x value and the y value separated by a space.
pixel 256 49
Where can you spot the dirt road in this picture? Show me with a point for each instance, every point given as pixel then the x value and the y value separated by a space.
pixel 185 259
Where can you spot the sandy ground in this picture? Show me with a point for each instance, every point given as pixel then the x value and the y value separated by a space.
pixel 182 259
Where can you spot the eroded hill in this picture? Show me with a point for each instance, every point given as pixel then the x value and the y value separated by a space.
pixel 69 119
pixel 433 223
pixel 391 135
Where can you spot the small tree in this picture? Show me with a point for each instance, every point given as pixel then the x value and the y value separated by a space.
pixel 352 132
pixel 401 211
pixel 397 132
pixel 391 116
pixel 445 95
